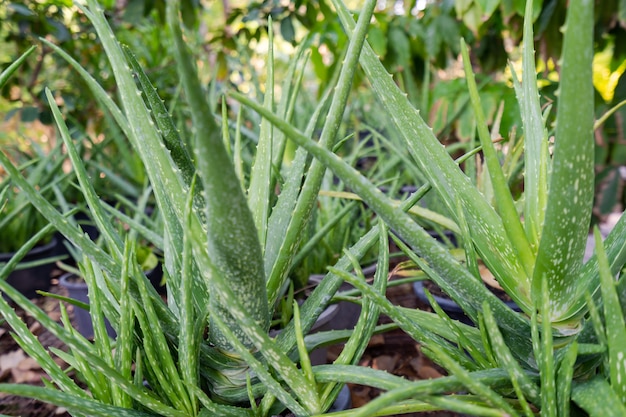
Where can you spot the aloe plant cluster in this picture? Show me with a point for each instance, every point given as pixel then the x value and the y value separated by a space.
pixel 229 245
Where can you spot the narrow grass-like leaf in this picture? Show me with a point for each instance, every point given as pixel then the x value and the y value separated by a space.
pixel 564 378
pixel 614 323
pixel 504 201
pixel 8 71
pixel 261 174
pixel 485 392
pixel 267 379
pixel 72 402
pixel 523 385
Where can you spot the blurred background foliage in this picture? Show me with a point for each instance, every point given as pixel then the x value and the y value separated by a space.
pixel 417 40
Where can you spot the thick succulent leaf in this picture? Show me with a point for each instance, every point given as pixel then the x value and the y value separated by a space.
pixel 232 242
pixel 171 137
pixel 570 198
pixel 95 205
pixel 587 396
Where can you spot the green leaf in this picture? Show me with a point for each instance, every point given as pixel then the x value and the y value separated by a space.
pixel 614 319
pixel 231 238
pixel 535 140
pixel 504 201
pixel 488 7
pixel 568 211
pixel 8 71
pixel 447 179
pixel 598 399
pixel 261 173
pixel 72 402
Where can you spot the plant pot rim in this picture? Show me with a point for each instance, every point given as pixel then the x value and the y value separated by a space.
pixel 65 280
pixel 5 256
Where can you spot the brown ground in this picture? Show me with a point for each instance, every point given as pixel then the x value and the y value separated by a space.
pixel 394 352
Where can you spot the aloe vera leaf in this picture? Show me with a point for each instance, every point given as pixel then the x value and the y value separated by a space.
pixel 564 378
pixel 587 394
pixel 141 132
pixel 535 138
pixel 383 380
pixel 189 343
pixel 614 319
pixel 483 391
pixel 171 138
pixel 416 330
pixel 446 177
pixel 8 71
pixel 303 354
pixel 155 343
pixel 125 342
pixel 232 241
pixel 504 201
pixel 527 387
pixel 544 352
pixel 291 88
pixel 290 213
pixel 395 402
pixel 261 172
pixel 368 317
pixel 72 402
pixel 321 233
pixel 615 248
pixel 281 364
pixel 86 350
pixel 57 219
pixel 35 350
pixel 568 211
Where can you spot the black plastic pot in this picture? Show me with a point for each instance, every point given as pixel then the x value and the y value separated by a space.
pixel 29 280
pixel 77 289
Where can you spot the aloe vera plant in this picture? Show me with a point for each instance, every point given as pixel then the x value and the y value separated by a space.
pixel 567 344
pixel 227 254
pixel 537 258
